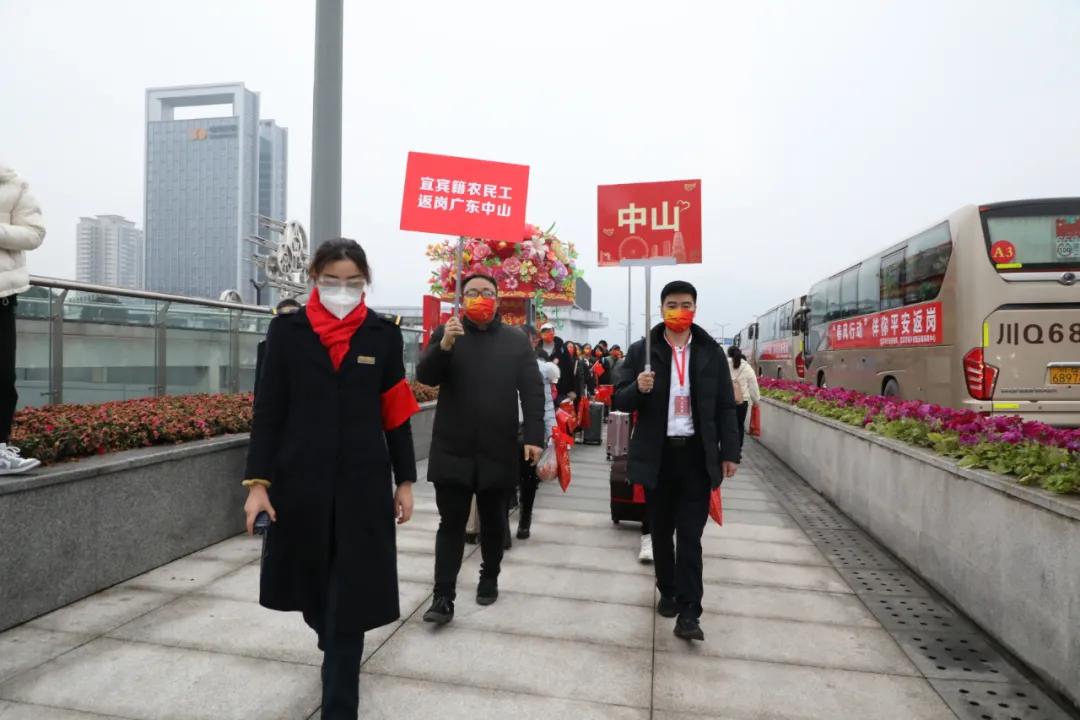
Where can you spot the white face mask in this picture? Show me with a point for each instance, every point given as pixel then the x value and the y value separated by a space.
pixel 340 300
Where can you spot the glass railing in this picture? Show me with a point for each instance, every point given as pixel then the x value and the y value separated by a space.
pixel 81 343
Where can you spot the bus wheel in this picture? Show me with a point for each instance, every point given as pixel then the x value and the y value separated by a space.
pixel 821 383
pixel 891 388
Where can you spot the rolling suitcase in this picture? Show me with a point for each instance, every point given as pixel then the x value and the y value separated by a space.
pixel 618 435
pixel 627 501
pixel 594 431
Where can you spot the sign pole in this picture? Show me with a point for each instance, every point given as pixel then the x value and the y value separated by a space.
pixel 629 306
pixel 648 318
pixel 457 291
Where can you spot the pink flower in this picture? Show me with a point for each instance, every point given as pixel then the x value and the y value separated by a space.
pixel 531 231
pixel 512 266
pixel 546 282
pixel 481 251
pixel 510 283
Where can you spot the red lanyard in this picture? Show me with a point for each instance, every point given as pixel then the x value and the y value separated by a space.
pixel 678 359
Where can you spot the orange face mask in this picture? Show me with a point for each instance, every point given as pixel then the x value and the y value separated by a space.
pixel 678 321
pixel 480 310
pixel 548 336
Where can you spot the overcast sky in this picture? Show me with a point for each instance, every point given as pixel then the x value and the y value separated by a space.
pixel 822 131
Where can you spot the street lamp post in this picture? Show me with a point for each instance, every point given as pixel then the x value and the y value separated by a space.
pixel 326 122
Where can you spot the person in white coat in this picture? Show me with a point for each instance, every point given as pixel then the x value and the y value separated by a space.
pixel 21 229
pixel 747 392
pixel 529 483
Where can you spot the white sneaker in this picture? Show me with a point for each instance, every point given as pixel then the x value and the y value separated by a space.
pixel 12 463
pixel 646 549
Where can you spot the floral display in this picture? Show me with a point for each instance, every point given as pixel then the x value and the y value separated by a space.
pixel 1033 452
pixel 65 432
pixel 541 266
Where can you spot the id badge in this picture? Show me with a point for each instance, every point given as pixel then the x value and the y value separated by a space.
pixel 682 406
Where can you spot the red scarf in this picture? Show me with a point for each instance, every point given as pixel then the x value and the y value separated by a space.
pixel 335 334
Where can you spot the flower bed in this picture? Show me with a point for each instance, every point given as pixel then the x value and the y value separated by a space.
pixel 1034 453
pixel 64 432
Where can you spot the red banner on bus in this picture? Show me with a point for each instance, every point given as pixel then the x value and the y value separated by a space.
pixel 644 220
pixel 458 196
pixel 911 326
pixel 775 350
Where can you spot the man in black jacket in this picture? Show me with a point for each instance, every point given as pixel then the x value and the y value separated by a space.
pixel 684 445
pixel 481 368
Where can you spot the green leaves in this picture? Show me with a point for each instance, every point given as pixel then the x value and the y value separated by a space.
pixel 1028 461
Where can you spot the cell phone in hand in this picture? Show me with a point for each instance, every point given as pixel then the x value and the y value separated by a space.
pixel 262 523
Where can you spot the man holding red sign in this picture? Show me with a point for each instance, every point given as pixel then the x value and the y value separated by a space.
pixel 685 443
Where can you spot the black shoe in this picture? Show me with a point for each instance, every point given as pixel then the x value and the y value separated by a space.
pixel 508 541
pixel 524 524
pixel 441 611
pixel 688 629
pixel 667 607
pixel 488 592
pixel 472 538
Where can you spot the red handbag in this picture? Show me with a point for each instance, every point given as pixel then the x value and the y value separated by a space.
pixel 755 421
pixel 716 507
pixel 584 421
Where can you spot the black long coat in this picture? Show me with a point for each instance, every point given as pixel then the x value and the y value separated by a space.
pixel 475 440
pixel 318 437
pixel 712 402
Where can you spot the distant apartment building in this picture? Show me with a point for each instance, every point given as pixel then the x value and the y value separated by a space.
pixel 207 181
pixel 110 250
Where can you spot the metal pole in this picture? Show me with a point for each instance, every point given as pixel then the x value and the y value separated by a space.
pixel 457 288
pixel 629 305
pixel 326 123
pixel 648 318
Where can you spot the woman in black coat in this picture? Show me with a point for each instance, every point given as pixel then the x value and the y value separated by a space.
pixel 331 422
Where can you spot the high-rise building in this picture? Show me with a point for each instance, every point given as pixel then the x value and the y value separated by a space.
pixel 273 170
pixel 110 251
pixel 203 188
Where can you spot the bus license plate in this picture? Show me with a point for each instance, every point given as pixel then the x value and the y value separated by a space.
pixel 1065 376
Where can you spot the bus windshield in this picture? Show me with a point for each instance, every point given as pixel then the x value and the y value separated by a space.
pixel 1032 242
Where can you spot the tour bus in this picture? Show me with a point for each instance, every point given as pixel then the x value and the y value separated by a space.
pixel 744 340
pixel 979 311
pixel 778 342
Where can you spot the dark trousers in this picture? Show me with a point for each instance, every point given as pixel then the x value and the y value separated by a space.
pixel 528 484
pixel 342 655
pixel 8 396
pixel 740 412
pixel 453 502
pixel 679 509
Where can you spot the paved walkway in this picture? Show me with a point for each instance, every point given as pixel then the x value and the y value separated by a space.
pixel 574 634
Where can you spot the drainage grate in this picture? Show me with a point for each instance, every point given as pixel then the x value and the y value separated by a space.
pixel 860 556
pixel 883 582
pixel 817 517
pixel 922 614
pixel 956 656
pixel 997 701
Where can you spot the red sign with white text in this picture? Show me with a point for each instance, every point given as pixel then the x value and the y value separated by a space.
pixel 458 196
pixel 644 220
pixel 776 350
pixel 911 326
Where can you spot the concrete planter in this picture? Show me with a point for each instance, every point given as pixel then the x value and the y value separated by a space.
pixel 81 527
pixel 1008 555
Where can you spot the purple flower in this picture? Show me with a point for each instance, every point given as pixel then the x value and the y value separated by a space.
pixel 968 440
pixel 1012 437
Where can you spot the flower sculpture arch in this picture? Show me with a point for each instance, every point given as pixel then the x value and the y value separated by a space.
pixel 540 267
